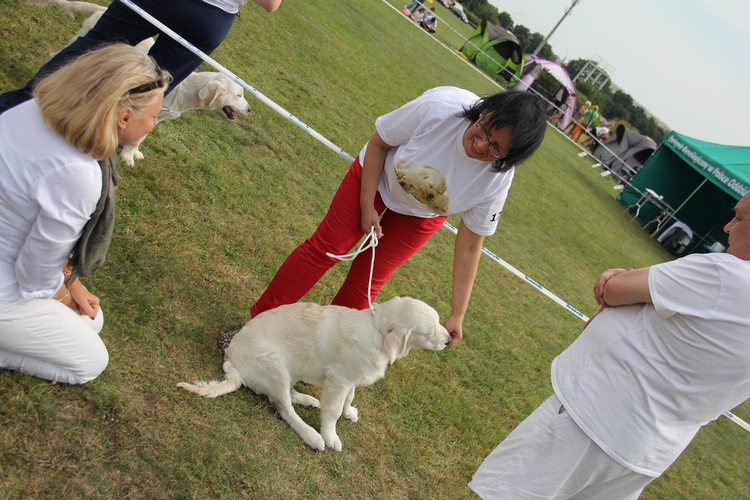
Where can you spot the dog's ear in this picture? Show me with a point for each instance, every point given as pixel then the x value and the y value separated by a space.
pixel 396 342
pixel 208 94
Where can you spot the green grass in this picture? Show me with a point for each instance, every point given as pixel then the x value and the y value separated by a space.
pixel 206 219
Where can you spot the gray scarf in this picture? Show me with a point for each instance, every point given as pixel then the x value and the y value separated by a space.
pixel 90 250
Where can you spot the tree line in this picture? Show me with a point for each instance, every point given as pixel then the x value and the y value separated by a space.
pixel 613 103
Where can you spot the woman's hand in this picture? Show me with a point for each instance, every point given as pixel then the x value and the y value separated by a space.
pixel 269 5
pixel 372 169
pixel 63 296
pixel 467 251
pixel 83 301
pixel 371 219
pixel 454 325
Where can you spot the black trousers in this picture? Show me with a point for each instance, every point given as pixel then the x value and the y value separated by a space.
pixel 203 25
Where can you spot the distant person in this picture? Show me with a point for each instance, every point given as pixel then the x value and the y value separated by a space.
pixel 598 134
pixel 57 177
pixel 412 7
pixel 446 152
pixel 577 120
pixel 590 119
pixel 418 16
pixel 203 23
pixel 429 21
pixel 561 118
pixel 558 101
pixel 667 352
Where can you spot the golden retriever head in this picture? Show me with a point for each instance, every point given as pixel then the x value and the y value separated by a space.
pixel 408 323
pixel 224 94
pixel 426 184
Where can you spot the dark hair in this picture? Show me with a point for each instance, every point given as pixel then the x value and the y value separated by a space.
pixel 523 113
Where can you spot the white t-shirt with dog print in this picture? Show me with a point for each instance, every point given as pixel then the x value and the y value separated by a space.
pixel 428 135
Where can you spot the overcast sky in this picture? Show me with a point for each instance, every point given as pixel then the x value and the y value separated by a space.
pixel 686 61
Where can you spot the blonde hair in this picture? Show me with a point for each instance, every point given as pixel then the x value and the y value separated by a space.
pixel 82 99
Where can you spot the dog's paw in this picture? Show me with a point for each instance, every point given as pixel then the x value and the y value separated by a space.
pixel 128 156
pixel 127 160
pixel 315 441
pixel 305 400
pixel 332 441
pixel 351 413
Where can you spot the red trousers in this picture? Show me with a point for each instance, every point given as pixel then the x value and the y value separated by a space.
pixel 338 233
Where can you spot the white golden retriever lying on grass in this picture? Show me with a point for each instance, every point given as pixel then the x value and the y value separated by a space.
pixel 200 90
pixel 333 347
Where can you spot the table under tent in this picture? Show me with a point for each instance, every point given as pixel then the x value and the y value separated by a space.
pixel 691 186
pixel 495 51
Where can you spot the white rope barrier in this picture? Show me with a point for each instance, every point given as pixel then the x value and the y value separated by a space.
pixel 289 116
pixel 524 277
pixel 449 49
pixel 737 420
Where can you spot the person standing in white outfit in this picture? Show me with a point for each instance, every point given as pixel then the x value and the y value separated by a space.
pixel 667 353
pixel 56 206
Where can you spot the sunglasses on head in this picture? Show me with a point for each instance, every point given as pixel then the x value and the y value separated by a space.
pixel 148 87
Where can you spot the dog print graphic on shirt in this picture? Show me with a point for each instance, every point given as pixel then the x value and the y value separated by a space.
pixel 426 184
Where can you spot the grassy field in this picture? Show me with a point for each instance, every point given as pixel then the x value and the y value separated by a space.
pixel 204 222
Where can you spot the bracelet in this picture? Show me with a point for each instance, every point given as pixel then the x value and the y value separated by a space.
pixel 67 293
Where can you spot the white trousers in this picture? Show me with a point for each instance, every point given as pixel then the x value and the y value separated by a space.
pixel 549 457
pixel 47 339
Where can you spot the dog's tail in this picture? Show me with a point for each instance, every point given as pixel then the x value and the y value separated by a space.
pixel 71 8
pixel 232 381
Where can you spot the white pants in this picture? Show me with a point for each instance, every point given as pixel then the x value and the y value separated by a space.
pixel 49 340
pixel 549 457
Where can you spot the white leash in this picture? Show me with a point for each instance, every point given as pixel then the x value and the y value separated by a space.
pixel 370 241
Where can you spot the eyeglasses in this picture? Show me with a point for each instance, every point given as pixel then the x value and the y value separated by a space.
pixel 148 87
pixel 492 147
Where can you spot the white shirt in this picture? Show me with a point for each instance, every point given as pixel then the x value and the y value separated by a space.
pixel 428 131
pixel 48 191
pixel 641 380
pixel 230 6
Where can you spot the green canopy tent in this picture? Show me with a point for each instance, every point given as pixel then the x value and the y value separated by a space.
pixel 495 51
pixel 700 181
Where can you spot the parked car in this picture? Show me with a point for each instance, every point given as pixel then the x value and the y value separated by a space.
pixel 458 11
